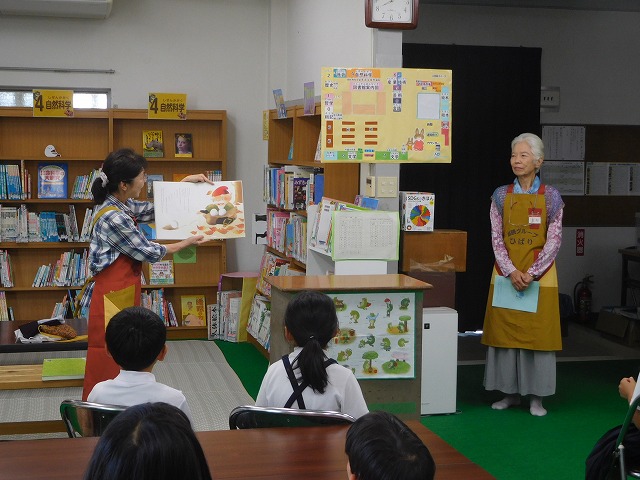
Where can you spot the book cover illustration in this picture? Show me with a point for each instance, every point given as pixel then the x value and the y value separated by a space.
pixel 184 145
pixel 280 106
pixel 161 273
pixel 193 309
pixel 150 179
pixel 152 144
pixel 184 209
pixel 52 180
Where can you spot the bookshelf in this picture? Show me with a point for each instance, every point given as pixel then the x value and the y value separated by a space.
pixel 341 180
pixel 83 142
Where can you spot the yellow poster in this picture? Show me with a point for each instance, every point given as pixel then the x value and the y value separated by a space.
pixel 386 115
pixel 53 103
pixel 168 106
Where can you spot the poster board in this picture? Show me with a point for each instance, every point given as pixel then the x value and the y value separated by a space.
pixel 386 115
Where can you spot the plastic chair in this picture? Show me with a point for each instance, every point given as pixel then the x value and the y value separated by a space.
pixel 86 419
pixel 249 416
pixel 619 450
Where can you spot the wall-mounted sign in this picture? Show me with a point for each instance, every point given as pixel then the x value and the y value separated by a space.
pixel 168 106
pixel 53 103
pixel 386 115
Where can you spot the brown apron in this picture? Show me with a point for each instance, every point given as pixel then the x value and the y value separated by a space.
pixel 524 240
pixel 123 273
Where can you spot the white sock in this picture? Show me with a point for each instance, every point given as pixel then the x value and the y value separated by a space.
pixel 506 402
pixel 536 408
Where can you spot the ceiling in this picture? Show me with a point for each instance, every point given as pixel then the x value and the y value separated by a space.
pixel 602 5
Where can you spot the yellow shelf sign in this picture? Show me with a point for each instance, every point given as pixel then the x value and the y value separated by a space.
pixel 167 106
pixel 53 103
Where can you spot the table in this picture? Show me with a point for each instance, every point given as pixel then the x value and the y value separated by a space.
pixel 631 254
pixel 313 453
pixel 8 339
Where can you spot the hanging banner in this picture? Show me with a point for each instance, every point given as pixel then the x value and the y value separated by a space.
pixel 167 106
pixel 53 103
pixel 386 115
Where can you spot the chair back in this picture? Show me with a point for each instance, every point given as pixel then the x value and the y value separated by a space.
pixel 249 416
pixel 86 419
pixel 619 450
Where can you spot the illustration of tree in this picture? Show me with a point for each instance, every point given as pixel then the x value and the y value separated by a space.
pixel 369 356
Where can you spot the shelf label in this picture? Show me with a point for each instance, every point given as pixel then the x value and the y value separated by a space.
pixel 167 106
pixel 53 103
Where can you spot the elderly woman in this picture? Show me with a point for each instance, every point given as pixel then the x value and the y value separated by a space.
pixel 526 232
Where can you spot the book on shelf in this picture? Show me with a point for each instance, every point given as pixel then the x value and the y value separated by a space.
pixel 259 324
pixel 212 322
pixel 183 145
pixel 281 108
pixel 63 368
pixel 14 182
pixel 8 223
pixel 161 273
pixel 150 179
pixel 228 309
pixel 193 310
pixel 52 180
pixel 152 144
pixel 148 230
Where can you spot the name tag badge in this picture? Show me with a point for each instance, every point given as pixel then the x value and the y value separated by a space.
pixel 535 218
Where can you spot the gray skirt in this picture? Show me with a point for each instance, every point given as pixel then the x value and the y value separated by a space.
pixel 516 370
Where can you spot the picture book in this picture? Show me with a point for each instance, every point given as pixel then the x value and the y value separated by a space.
pixel 150 179
pixel 184 145
pixel 280 106
pixel 184 209
pixel 161 273
pixel 63 368
pixel 52 180
pixel 152 144
pixel 193 310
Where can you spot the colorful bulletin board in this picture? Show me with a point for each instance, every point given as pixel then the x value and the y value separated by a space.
pixel 386 115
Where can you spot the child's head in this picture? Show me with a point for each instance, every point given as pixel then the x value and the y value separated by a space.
pixel 135 337
pixel 148 441
pixel 311 321
pixel 380 446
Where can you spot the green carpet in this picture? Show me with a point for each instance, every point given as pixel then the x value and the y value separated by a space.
pixel 512 444
pixel 248 363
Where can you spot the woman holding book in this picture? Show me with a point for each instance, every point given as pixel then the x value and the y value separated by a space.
pixel 526 232
pixel 117 250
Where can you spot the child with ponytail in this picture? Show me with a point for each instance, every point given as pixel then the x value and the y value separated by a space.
pixel 307 378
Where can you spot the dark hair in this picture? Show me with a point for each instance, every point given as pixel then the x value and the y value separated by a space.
pixel 120 166
pixel 380 446
pixel 312 321
pixel 135 337
pixel 149 441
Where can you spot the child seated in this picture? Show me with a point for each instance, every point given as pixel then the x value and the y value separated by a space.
pixel 135 337
pixel 380 446
pixel 150 441
pixel 310 324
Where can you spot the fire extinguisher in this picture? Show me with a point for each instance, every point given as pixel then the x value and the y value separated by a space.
pixel 582 298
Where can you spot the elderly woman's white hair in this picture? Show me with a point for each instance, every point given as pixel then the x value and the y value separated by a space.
pixel 534 141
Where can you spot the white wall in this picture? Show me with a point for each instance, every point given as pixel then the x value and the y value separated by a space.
pixel 592 57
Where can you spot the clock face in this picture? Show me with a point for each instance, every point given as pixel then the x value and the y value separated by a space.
pixel 392 11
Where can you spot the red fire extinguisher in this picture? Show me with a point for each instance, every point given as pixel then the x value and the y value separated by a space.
pixel 582 298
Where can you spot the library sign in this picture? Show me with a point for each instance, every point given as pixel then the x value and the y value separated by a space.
pixel 167 106
pixel 53 103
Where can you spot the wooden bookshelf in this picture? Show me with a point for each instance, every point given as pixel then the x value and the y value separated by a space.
pixel 83 142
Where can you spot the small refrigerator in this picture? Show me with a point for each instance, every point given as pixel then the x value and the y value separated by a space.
pixel 439 360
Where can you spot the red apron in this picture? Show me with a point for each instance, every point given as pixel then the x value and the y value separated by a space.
pixel 122 273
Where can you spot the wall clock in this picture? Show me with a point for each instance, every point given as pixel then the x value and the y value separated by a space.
pixel 394 14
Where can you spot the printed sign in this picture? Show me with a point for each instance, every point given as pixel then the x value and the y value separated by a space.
pixel 53 103
pixel 168 106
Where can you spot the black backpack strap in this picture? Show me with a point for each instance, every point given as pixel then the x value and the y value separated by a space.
pixel 297 389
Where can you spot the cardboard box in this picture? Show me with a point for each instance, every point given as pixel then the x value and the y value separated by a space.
pixel 246 283
pixel 417 211
pixel 620 324
pixel 431 247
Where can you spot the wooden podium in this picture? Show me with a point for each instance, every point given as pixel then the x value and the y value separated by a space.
pixel 400 396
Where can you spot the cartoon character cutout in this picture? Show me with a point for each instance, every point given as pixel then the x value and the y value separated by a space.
pixel 418 140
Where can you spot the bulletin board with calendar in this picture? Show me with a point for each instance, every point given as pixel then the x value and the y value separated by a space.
pixel 386 115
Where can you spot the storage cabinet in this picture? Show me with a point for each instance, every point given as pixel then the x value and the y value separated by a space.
pixel 83 143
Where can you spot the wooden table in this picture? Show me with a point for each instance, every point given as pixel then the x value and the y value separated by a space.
pixel 8 342
pixel 314 453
